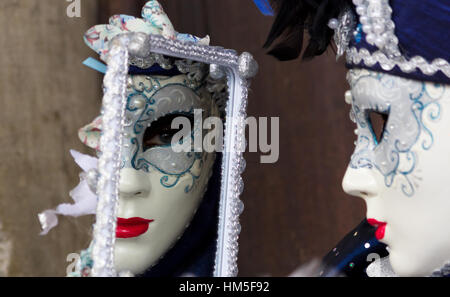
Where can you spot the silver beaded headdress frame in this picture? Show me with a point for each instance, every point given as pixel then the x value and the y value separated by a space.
pixel 155 21
pixel 143 48
pixel 224 64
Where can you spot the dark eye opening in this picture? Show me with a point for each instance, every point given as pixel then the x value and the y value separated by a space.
pixel 160 132
pixel 378 122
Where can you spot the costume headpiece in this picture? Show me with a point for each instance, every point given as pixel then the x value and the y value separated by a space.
pixel 156 22
pixel 402 37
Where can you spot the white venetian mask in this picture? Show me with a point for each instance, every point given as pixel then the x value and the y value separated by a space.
pixel 159 190
pixel 402 174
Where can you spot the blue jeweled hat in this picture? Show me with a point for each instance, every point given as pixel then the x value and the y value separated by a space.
pixel 406 38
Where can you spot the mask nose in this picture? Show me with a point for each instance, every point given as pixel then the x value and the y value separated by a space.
pixel 360 183
pixel 133 183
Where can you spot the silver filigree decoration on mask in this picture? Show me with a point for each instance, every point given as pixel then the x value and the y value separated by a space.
pixel 409 106
pixel 343 28
pixel 382 268
pixel 148 100
pixel 195 71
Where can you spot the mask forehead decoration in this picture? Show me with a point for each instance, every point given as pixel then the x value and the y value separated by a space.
pixel 408 105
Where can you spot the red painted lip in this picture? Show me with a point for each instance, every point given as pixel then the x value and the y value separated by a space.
pixel 381 228
pixel 132 227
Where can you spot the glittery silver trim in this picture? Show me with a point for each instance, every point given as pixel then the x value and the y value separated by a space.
pixel 233 163
pixel 355 56
pixel 187 50
pixel 113 115
pixel 231 206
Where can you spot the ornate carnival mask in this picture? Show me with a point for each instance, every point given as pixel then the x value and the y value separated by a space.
pixel 158 206
pixel 400 70
pixel 398 167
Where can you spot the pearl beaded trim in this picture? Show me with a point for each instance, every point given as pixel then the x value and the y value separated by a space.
pixel 379 29
pixel 355 56
pixel 375 18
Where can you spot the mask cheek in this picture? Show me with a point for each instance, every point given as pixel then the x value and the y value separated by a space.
pixel 174 204
pixel 200 172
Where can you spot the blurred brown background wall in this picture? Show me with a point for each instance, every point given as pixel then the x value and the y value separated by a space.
pixel 295 209
pixel 45 96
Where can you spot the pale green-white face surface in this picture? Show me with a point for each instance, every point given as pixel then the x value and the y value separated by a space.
pixel 403 174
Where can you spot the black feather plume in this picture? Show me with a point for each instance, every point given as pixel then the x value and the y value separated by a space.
pixel 296 16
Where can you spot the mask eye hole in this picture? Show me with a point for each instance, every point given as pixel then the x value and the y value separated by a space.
pixel 377 122
pixel 160 132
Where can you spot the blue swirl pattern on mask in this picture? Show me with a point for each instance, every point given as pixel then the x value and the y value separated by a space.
pixel 159 158
pixel 407 103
